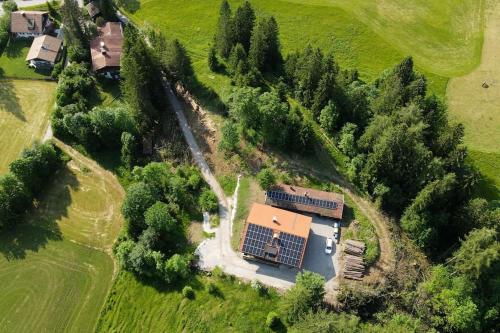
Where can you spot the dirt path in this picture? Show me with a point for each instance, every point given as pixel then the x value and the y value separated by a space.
pixel 108 177
pixel 478 107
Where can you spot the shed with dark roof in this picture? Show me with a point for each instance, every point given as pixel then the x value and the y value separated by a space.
pixel 308 200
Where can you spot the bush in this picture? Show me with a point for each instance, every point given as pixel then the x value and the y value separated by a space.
pixel 266 178
pixel 259 287
pixel 208 201
pixel 212 288
pixel 188 292
pixel 272 319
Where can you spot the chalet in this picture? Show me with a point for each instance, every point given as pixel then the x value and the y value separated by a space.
pixel 308 200
pixel 106 50
pixel 93 10
pixel 275 235
pixel 25 24
pixel 44 52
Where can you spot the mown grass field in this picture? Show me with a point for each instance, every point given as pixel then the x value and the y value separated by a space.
pixel 445 37
pixel 55 273
pixel 136 307
pixel 13 61
pixel 478 108
pixel 25 107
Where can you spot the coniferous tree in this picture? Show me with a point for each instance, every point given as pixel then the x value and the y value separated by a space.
pixel 224 37
pixel 213 64
pixel 244 20
pixel 264 45
pixel 140 87
pixel 75 27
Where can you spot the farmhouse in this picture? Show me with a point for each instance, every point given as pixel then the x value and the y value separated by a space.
pixel 93 10
pixel 25 24
pixel 44 52
pixel 308 200
pixel 106 50
pixel 275 235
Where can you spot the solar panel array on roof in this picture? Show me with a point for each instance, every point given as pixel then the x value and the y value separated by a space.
pixel 301 199
pixel 290 246
pixel 255 239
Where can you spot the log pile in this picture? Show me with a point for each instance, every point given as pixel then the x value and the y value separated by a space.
pixel 354 266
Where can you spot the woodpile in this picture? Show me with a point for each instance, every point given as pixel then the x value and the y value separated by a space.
pixel 354 266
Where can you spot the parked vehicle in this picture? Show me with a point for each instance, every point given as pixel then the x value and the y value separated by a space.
pixel 336 232
pixel 329 246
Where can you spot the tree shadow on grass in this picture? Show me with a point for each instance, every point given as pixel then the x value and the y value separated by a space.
pixel 9 102
pixel 40 225
pixel 15 47
pixel 131 5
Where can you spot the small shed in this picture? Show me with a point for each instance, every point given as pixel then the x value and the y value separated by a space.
pixel 93 10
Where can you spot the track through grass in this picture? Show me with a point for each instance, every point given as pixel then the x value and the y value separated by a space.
pixel 55 268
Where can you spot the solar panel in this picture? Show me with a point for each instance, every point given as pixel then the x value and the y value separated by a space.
pixel 291 249
pixel 281 196
pixel 290 246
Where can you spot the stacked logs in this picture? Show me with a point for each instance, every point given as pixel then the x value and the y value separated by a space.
pixel 354 266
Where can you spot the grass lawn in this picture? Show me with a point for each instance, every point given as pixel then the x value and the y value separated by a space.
pixel 444 37
pixel 478 108
pixel 13 61
pixel 137 307
pixel 54 276
pixel 25 107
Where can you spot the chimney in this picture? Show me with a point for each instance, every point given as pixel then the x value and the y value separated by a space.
pixel 275 219
pixel 305 194
pixel 23 14
pixel 276 235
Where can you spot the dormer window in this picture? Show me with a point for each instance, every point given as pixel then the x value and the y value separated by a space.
pixel 31 24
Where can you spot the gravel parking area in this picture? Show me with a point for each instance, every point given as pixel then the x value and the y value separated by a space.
pixel 315 259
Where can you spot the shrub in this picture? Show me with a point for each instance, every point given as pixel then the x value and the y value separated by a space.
pixel 208 201
pixel 259 287
pixel 272 319
pixel 212 288
pixel 266 178
pixel 188 292
pixel 218 272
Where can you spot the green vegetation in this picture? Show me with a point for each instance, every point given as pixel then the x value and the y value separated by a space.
pixel 236 306
pixel 50 284
pixel 24 115
pixel 52 248
pixel 352 30
pixel 360 228
pixel 245 199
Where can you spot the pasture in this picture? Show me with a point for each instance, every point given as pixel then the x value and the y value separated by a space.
pixel 478 106
pixel 134 306
pixel 444 37
pixel 55 273
pixel 25 107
